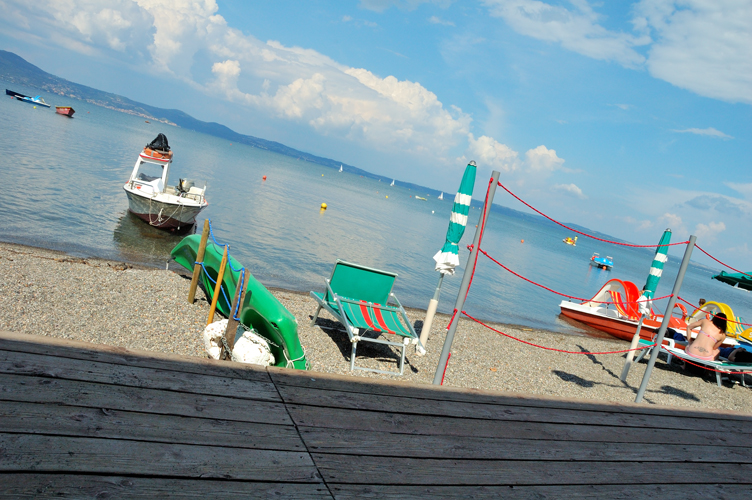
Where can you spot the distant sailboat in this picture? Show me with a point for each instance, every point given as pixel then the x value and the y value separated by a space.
pixel 441 196
pixel 392 184
pixel 340 167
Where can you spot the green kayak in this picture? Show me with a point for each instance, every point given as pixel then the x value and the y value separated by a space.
pixel 260 310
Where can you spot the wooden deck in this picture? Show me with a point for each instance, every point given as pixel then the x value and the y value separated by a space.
pixel 91 421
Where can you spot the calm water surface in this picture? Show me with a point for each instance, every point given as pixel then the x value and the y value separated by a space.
pixel 62 189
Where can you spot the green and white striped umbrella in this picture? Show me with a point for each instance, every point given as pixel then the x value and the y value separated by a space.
pixel 656 268
pixel 448 257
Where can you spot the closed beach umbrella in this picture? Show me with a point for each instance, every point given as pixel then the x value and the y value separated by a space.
pixel 448 257
pixel 656 268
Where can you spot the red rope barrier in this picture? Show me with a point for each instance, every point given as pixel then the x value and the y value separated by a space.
pixel 728 320
pixel 551 348
pixel 580 232
pixel 721 263
pixel 559 293
pixel 451 320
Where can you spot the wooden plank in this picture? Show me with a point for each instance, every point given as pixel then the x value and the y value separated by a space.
pixel 26 452
pixel 66 348
pixel 92 395
pixel 423 407
pixel 49 486
pixel 347 383
pixel 346 420
pixel 352 469
pixel 22 363
pixel 33 418
pixel 388 445
pixel 595 492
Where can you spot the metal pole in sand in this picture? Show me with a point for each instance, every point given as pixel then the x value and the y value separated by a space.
pixel 631 353
pixel 444 359
pixel 430 313
pixel 199 261
pixel 666 317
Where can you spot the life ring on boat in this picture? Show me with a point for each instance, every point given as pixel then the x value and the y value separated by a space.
pixel 166 155
pixel 682 309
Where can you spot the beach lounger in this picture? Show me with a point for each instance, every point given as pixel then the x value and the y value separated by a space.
pixel 720 365
pixel 358 297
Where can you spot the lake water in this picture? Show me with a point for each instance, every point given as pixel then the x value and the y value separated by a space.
pixel 62 188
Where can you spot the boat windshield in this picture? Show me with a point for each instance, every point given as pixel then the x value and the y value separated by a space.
pixel 149 171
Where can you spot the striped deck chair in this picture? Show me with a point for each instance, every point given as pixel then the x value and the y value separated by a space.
pixel 358 297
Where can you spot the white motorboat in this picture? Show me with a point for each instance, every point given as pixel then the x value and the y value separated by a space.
pixel 151 199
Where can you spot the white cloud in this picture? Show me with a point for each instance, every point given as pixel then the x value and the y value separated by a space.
pixel 488 152
pixel 699 45
pixel 346 19
pixel 576 29
pixel 293 83
pixel 744 189
pixel 438 20
pixel 710 131
pixel 543 160
pixel 709 231
pixel 674 222
pixel 702 46
pixel 570 189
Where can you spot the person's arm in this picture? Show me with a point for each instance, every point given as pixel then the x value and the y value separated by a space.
pixel 691 327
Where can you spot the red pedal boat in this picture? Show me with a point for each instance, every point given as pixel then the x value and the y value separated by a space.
pixel 64 110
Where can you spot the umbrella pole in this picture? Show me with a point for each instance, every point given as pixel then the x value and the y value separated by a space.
pixel 420 349
pixel 462 294
pixel 666 318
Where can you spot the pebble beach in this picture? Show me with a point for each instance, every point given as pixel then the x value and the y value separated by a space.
pixel 120 304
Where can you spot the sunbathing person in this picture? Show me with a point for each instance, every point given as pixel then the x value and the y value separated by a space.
pixel 709 339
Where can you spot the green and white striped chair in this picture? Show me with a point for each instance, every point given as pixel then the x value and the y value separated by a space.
pixel 358 297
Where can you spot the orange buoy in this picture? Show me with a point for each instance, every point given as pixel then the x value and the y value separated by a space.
pixel 264 177
pixel 522 241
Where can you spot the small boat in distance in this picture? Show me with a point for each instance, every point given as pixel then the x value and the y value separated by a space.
pixel 65 110
pixel 392 184
pixel 569 241
pixel 152 200
pixel 31 100
pixel 340 167
pixel 441 196
pixel 603 262
pixel 420 198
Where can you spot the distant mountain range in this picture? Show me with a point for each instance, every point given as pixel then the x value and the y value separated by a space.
pixel 15 69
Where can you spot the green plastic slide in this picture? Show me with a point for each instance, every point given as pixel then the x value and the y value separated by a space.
pixel 260 309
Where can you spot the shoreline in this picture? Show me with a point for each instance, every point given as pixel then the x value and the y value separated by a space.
pixel 48 292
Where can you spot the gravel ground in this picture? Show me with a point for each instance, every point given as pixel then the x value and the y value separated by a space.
pixel 49 293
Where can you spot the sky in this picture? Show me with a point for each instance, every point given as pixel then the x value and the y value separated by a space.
pixel 624 117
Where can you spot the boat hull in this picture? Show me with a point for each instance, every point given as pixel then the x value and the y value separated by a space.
pixel 618 327
pixel 162 215
pixel 260 309
pixel 64 110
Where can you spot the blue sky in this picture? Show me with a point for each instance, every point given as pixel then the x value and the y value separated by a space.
pixel 626 117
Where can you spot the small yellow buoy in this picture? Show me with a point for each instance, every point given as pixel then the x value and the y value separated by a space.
pixel 387 196
pixel 35 107
pixel 323 206
pixel 322 175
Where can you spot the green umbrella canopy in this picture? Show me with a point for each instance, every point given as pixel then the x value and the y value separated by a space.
pixel 656 268
pixel 744 280
pixel 448 257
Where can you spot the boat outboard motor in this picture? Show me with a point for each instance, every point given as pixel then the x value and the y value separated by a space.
pixel 159 144
pixel 184 185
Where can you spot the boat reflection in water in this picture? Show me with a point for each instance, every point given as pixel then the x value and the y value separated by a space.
pixel 141 243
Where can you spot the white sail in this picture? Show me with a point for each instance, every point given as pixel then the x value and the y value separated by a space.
pixel 392 184
pixel 441 196
pixel 340 167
